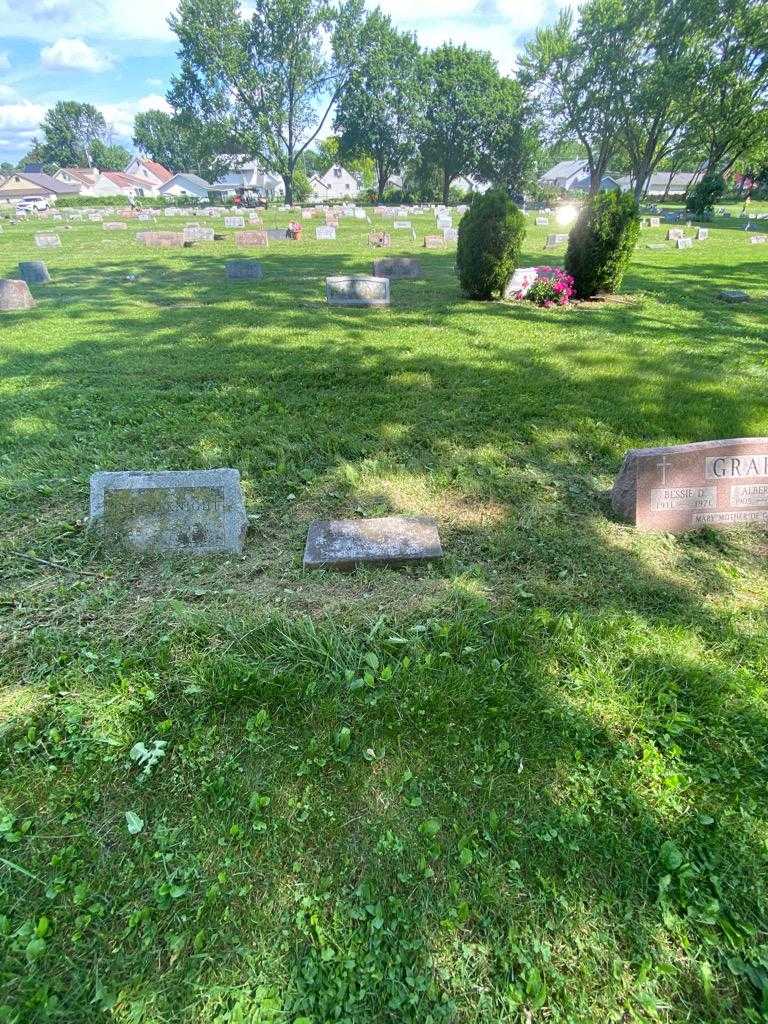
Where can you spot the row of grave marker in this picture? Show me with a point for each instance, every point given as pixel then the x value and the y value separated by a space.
pixel 674 489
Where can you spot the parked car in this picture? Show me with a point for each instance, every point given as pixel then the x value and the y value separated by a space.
pixel 32 204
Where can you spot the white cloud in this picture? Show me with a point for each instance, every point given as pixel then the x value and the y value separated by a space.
pixel 19 122
pixel 120 115
pixel 49 20
pixel 5 61
pixel 73 55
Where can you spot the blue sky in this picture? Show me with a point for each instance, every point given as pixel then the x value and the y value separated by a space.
pixel 120 54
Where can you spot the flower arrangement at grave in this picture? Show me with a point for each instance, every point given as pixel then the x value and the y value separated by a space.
pixel 551 286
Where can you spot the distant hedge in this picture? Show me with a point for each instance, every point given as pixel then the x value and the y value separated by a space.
pixel 491 237
pixel 601 243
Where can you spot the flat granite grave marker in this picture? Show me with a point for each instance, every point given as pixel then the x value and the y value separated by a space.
pixel 359 290
pixel 198 233
pixel 391 540
pixel 114 225
pixel 685 487
pixel 247 239
pixel 758 239
pixel 244 270
pixel 15 295
pixel 325 234
pixel 402 225
pixel 397 268
pixel 34 272
pixel 43 241
pixel 434 242
pixel 234 222
pixel 733 295
pixel 190 512
pixel 162 239
pixel 277 234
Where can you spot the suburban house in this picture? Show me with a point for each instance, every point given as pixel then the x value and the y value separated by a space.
pixel 150 172
pixel 467 184
pixel 336 183
pixel 82 177
pixel 34 183
pixel 573 175
pixel 664 183
pixel 249 175
pixel 189 185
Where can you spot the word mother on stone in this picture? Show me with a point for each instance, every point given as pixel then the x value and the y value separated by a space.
pixel 686 487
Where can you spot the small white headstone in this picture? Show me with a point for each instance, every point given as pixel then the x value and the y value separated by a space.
pixel 234 222
pixel 542 222
pixel 325 234
pixel 684 243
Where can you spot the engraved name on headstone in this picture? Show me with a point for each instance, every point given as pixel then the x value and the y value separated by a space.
pixel 685 243
pixel 684 487
pixel 234 222
pixel 198 233
pixel 357 291
pixel 193 512
pixel 391 540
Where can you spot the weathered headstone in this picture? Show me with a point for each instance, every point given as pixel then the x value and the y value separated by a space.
pixel 401 225
pixel 379 239
pixel 390 541
pixel 654 222
pixel 325 234
pixel 555 240
pixel 758 239
pixel 191 512
pixel 443 223
pixel 434 242
pixel 162 239
pixel 234 222
pixel 277 234
pixel 542 222
pixel 397 268
pixel 114 225
pixel 198 233
pixel 702 234
pixel 450 235
pixel 673 234
pixel 685 243
pixel 15 295
pixel 43 241
pixel 733 295
pixel 244 270
pixel 95 218
pixel 34 272
pixel 684 487
pixel 248 239
pixel 357 291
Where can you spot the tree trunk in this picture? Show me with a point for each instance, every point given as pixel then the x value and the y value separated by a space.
pixel 447 179
pixel 381 177
pixel 288 182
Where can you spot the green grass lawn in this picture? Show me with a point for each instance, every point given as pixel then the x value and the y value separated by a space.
pixel 528 783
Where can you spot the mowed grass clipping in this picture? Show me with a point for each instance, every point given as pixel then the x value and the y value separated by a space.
pixel 527 783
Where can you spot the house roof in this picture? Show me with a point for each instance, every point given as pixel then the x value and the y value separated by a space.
pixel 124 180
pixel 160 172
pixel 193 179
pixel 43 181
pixel 565 169
pixel 681 179
pixel 87 175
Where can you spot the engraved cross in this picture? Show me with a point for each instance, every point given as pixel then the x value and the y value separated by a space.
pixel 664 465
